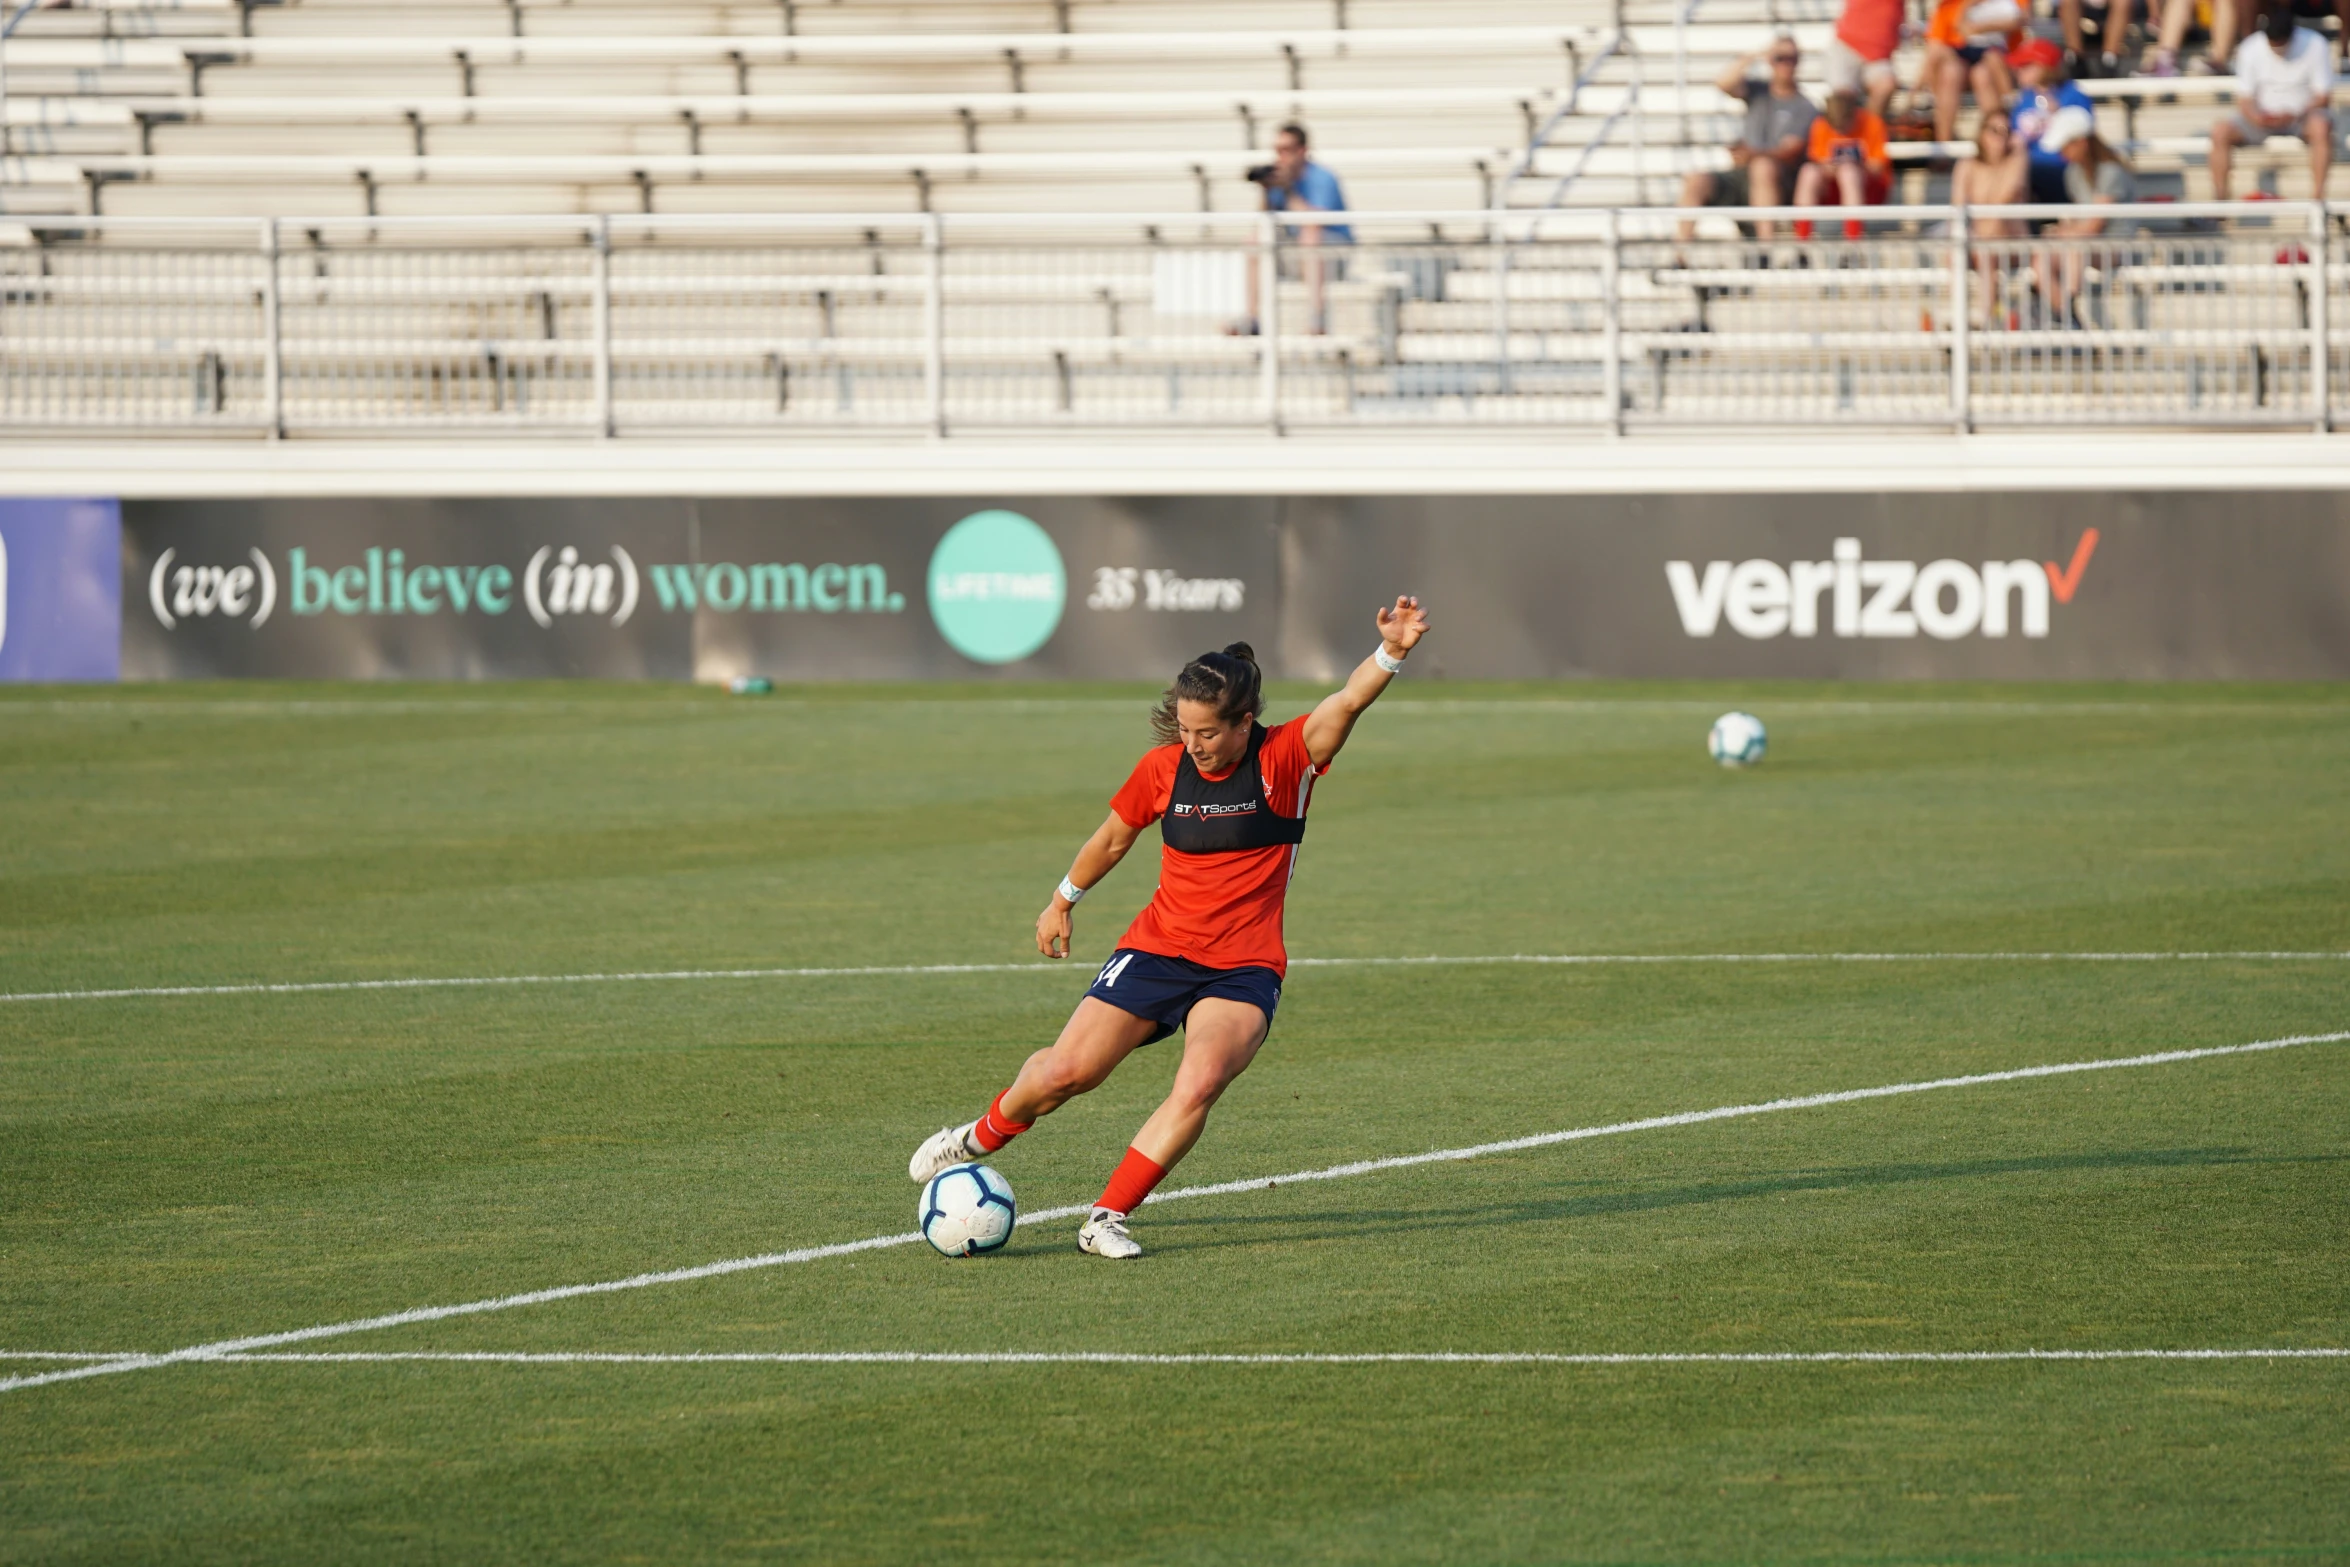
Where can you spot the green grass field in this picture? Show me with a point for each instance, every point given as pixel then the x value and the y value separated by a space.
pixel 177 1171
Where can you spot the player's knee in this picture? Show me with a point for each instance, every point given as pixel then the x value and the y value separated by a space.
pixel 1068 1079
pixel 1198 1095
pixel 1198 1088
pixel 1062 1075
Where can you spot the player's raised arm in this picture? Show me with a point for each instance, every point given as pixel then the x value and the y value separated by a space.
pixel 1400 630
pixel 1097 859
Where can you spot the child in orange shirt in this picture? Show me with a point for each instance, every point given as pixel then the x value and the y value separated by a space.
pixel 1847 164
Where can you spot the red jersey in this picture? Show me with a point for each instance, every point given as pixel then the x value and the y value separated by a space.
pixel 1221 910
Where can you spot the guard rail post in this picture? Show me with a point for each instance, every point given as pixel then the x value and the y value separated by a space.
pixel 602 239
pixel 1611 365
pixel 273 354
pixel 2321 388
pixel 934 324
pixel 1961 316
pixel 1498 238
pixel 1639 134
pixel 1269 319
pixel 1681 72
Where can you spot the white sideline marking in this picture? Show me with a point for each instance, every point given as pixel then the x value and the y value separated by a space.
pixel 59 1354
pixel 1016 1357
pixel 1564 959
pixel 707 1270
pixel 887 1357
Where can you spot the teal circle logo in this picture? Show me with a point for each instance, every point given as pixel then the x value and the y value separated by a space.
pixel 997 587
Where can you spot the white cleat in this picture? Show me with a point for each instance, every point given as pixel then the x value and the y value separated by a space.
pixel 1104 1235
pixel 949 1147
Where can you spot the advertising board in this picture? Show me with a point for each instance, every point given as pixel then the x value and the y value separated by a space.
pixel 60 590
pixel 2016 587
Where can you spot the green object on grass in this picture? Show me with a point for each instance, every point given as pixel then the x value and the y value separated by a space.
pixel 175 1171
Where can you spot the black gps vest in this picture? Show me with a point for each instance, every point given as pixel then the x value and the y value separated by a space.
pixel 1227 814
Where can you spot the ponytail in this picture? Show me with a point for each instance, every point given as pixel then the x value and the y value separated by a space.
pixel 1230 679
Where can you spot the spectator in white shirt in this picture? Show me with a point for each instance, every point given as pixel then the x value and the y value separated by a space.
pixel 2284 87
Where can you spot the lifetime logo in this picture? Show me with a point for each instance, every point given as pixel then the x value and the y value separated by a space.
pixel 1944 599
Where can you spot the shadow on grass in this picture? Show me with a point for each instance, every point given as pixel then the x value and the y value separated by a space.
pixel 1335 1225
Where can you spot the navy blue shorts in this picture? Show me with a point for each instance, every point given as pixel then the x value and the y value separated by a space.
pixel 1164 989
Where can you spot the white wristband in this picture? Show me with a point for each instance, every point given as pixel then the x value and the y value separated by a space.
pixel 1393 666
pixel 1071 891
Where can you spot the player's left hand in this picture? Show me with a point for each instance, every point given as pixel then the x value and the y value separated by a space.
pixel 1402 627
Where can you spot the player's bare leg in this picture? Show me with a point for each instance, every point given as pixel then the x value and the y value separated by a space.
pixel 1095 1039
pixel 1220 1039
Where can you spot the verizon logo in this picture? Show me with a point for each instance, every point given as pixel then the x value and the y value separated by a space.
pixel 1946 599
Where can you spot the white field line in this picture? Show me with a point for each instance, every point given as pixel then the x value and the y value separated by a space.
pixel 1092 1357
pixel 223 1347
pixel 59 1354
pixel 1562 959
pixel 886 1357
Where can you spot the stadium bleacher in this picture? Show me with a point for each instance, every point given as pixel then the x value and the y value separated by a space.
pixel 827 143
pixel 328 107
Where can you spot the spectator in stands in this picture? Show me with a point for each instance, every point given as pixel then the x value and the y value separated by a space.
pixel 1294 182
pixel 2177 17
pixel 2284 87
pixel 2094 176
pixel 2113 24
pixel 1995 176
pixel 1860 54
pixel 2042 95
pixel 1769 148
pixel 1966 46
pixel 1847 163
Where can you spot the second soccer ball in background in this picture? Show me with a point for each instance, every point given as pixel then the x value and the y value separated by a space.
pixel 1737 740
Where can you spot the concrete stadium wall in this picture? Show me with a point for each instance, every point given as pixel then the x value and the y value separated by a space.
pixel 2116 585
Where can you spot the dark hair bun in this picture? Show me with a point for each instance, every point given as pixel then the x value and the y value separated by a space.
pixel 1230 679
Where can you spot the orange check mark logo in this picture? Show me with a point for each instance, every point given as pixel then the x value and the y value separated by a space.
pixel 2066 582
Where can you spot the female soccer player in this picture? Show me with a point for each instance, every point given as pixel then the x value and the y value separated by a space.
pixel 1205 955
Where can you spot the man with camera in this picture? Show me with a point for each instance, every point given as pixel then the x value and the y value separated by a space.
pixel 1294 182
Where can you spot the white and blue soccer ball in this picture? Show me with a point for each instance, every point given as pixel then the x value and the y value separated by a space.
pixel 967 1209
pixel 1738 740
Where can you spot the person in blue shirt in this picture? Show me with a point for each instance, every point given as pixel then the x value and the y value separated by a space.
pixel 2042 90
pixel 1293 182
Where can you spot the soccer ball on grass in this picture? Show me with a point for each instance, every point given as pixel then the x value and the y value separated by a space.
pixel 967 1209
pixel 1737 740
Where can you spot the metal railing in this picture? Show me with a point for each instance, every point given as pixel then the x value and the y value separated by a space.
pixel 1577 320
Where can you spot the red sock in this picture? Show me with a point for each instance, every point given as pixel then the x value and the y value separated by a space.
pixel 995 1128
pixel 1137 1173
